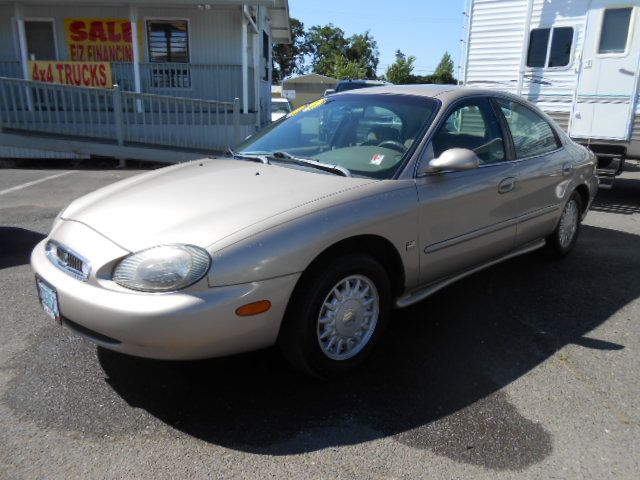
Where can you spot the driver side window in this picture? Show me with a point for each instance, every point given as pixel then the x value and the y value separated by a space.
pixel 472 125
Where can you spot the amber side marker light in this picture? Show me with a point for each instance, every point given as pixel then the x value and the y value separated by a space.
pixel 253 308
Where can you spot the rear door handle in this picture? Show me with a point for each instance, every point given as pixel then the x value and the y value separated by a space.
pixel 506 185
pixel 566 169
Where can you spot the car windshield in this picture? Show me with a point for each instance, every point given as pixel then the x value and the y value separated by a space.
pixel 370 135
pixel 280 107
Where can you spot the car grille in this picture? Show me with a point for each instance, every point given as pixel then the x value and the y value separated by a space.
pixel 68 261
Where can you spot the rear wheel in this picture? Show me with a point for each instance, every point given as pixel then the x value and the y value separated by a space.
pixel 336 317
pixel 564 237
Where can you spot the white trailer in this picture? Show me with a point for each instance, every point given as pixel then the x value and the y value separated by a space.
pixel 578 60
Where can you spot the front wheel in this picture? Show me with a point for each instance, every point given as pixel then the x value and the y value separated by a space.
pixel 336 317
pixel 564 237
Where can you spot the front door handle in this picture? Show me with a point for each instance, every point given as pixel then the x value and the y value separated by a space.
pixel 506 185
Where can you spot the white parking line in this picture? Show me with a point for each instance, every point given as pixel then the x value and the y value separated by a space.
pixel 35 182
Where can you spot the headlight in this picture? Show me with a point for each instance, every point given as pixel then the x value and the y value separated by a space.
pixel 162 269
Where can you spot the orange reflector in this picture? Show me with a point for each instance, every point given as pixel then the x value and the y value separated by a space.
pixel 253 308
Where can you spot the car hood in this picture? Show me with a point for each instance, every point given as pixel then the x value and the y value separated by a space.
pixel 201 202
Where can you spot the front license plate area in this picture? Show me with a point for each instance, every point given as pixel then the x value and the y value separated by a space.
pixel 48 299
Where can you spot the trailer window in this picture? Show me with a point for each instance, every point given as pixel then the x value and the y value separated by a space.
pixel 538 41
pixel 543 55
pixel 560 52
pixel 615 30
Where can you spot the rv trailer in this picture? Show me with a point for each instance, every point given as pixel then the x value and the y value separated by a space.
pixel 578 60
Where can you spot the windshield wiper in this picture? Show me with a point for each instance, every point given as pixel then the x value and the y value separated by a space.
pixel 336 169
pixel 244 156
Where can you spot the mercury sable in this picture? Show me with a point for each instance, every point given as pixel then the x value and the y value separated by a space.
pixel 313 229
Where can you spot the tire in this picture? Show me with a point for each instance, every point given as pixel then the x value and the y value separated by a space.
pixel 316 315
pixel 564 237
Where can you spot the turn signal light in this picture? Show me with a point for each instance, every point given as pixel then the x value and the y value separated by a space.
pixel 253 308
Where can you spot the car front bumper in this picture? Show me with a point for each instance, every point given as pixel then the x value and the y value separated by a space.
pixel 199 322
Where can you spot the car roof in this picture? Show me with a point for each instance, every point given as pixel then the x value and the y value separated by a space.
pixel 444 92
pixel 366 81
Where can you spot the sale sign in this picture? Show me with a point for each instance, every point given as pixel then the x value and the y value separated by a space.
pixel 100 39
pixel 80 74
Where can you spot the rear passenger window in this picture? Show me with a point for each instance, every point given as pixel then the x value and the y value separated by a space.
pixel 473 126
pixel 531 133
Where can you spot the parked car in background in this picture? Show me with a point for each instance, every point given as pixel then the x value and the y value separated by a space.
pixel 346 85
pixel 314 230
pixel 279 108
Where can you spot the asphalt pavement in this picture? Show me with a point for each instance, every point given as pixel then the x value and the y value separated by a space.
pixel 527 370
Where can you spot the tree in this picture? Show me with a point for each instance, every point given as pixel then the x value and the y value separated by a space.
pixel 345 69
pixel 363 49
pixel 289 59
pixel 324 45
pixel 444 70
pixel 331 52
pixel 401 71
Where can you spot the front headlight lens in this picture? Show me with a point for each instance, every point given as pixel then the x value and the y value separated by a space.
pixel 162 269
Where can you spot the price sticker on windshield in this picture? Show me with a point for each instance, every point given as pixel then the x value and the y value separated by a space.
pixel 377 159
pixel 307 107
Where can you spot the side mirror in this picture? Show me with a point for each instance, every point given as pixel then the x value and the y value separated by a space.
pixel 329 91
pixel 455 159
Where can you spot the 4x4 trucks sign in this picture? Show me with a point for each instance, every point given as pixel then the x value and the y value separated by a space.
pixel 80 74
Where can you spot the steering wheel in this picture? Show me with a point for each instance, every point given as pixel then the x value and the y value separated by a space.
pixel 394 145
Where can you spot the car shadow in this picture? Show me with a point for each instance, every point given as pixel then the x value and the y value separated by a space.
pixel 16 245
pixel 434 383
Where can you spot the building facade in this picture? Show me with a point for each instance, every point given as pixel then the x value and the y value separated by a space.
pixel 193 56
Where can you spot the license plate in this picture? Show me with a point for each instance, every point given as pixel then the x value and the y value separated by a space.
pixel 48 299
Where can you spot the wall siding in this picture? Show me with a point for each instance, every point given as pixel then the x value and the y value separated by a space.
pixel 214 34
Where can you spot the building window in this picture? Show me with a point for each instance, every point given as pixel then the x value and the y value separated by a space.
pixel 543 55
pixel 615 30
pixel 41 40
pixel 168 42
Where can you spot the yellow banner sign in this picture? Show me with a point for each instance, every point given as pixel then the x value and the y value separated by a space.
pixel 100 39
pixel 81 74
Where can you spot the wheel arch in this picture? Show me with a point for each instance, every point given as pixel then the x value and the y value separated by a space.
pixel 375 246
pixel 583 191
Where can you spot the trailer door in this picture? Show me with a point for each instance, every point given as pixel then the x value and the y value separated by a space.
pixel 608 80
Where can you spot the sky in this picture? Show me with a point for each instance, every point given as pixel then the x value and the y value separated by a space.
pixel 422 28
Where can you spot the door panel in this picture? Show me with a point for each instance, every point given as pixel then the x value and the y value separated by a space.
pixel 463 220
pixel 606 82
pixel 539 189
pixel 541 170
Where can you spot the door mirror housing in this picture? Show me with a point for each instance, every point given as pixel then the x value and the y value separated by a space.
pixel 329 91
pixel 454 159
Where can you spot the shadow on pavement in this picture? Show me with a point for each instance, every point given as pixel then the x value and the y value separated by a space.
pixel 16 245
pixel 435 382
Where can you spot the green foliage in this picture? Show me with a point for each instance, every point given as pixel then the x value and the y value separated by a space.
pixel 334 55
pixel 325 43
pixel 444 70
pixel 289 59
pixel 363 49
pixel 401 71
pixel 345 69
